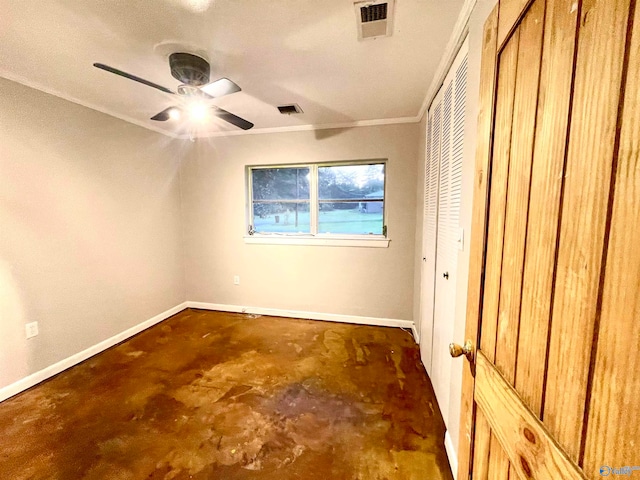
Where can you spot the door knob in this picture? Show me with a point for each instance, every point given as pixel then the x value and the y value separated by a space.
pixel 467 350
pixel 446 275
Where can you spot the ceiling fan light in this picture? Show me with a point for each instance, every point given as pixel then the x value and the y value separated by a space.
pixel 198 111
pixel 174 114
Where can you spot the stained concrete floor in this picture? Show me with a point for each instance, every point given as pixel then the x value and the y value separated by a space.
pixel 210 395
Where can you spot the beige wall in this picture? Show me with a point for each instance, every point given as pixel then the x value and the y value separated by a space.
pixel 89 228
pixel 476 25
pixel 376 282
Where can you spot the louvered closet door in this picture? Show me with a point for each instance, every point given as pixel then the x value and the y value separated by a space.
pixel 443 175
pixel 430 229
pixel 448 226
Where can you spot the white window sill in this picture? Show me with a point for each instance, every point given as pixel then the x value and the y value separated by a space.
pixel 374 242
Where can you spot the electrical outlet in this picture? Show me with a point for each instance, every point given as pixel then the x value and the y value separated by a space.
pixel 31 329
pixel 236 279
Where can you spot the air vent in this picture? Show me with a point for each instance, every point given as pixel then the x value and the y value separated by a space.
pixel 373 13
pixel 375 18
pixel 289 109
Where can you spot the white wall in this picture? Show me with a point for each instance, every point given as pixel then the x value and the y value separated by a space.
pixel 476 25
pixel 89 228
pixel 375 282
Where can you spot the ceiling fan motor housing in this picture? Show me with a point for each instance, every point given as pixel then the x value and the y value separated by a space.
pixel 189 69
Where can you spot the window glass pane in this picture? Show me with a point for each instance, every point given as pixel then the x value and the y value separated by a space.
pixel 351 218
pixel 280 183
pixel 281 217
pixel 346 182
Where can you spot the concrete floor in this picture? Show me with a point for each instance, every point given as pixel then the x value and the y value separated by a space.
pixel 210 395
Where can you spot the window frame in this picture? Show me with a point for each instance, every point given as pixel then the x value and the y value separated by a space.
pixel 314 237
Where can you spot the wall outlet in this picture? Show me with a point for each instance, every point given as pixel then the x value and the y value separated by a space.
pixel 236 279
pixel 31 329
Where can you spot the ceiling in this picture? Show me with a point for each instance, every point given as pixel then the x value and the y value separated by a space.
pixel 278 51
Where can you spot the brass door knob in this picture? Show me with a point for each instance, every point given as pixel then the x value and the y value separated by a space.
pixel 467 350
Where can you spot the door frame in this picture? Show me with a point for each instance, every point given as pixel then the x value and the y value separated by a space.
pixel 478 234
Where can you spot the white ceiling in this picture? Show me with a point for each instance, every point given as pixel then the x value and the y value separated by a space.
pixel 278 51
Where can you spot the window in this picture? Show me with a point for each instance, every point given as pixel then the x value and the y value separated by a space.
pixel 281 200
pixel 329 200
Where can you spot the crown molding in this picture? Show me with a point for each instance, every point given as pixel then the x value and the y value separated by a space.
pixel 309 127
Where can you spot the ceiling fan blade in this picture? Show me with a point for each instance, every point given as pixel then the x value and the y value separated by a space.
pixel 220 87
pixel 232 119
pixel 163 116
pixel 107 68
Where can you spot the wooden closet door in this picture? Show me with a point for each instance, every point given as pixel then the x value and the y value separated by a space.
pixel 552 391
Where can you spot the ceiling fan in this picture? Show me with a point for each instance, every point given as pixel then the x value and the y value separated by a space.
pixel 193 71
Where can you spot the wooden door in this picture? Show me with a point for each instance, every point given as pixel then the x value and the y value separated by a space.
pixel 554 295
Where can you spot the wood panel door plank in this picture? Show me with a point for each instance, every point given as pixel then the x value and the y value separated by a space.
pixel 517 199
pixel 510 11
pixel 481 448
pixel 612 435
pixel 530 32
pixel 498 460
pixel 507 69
pixel 601 47
pixel 546 183
pixel 530 448
pixel 478 238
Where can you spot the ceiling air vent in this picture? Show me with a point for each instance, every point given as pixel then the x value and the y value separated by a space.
pixel 373 13
pixel 375 18
pixel 290 109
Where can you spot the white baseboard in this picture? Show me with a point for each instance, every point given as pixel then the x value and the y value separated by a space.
pixel 50 371
pixel 451 454
pixel 330 317
pixel 416 335
pixel 56 368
